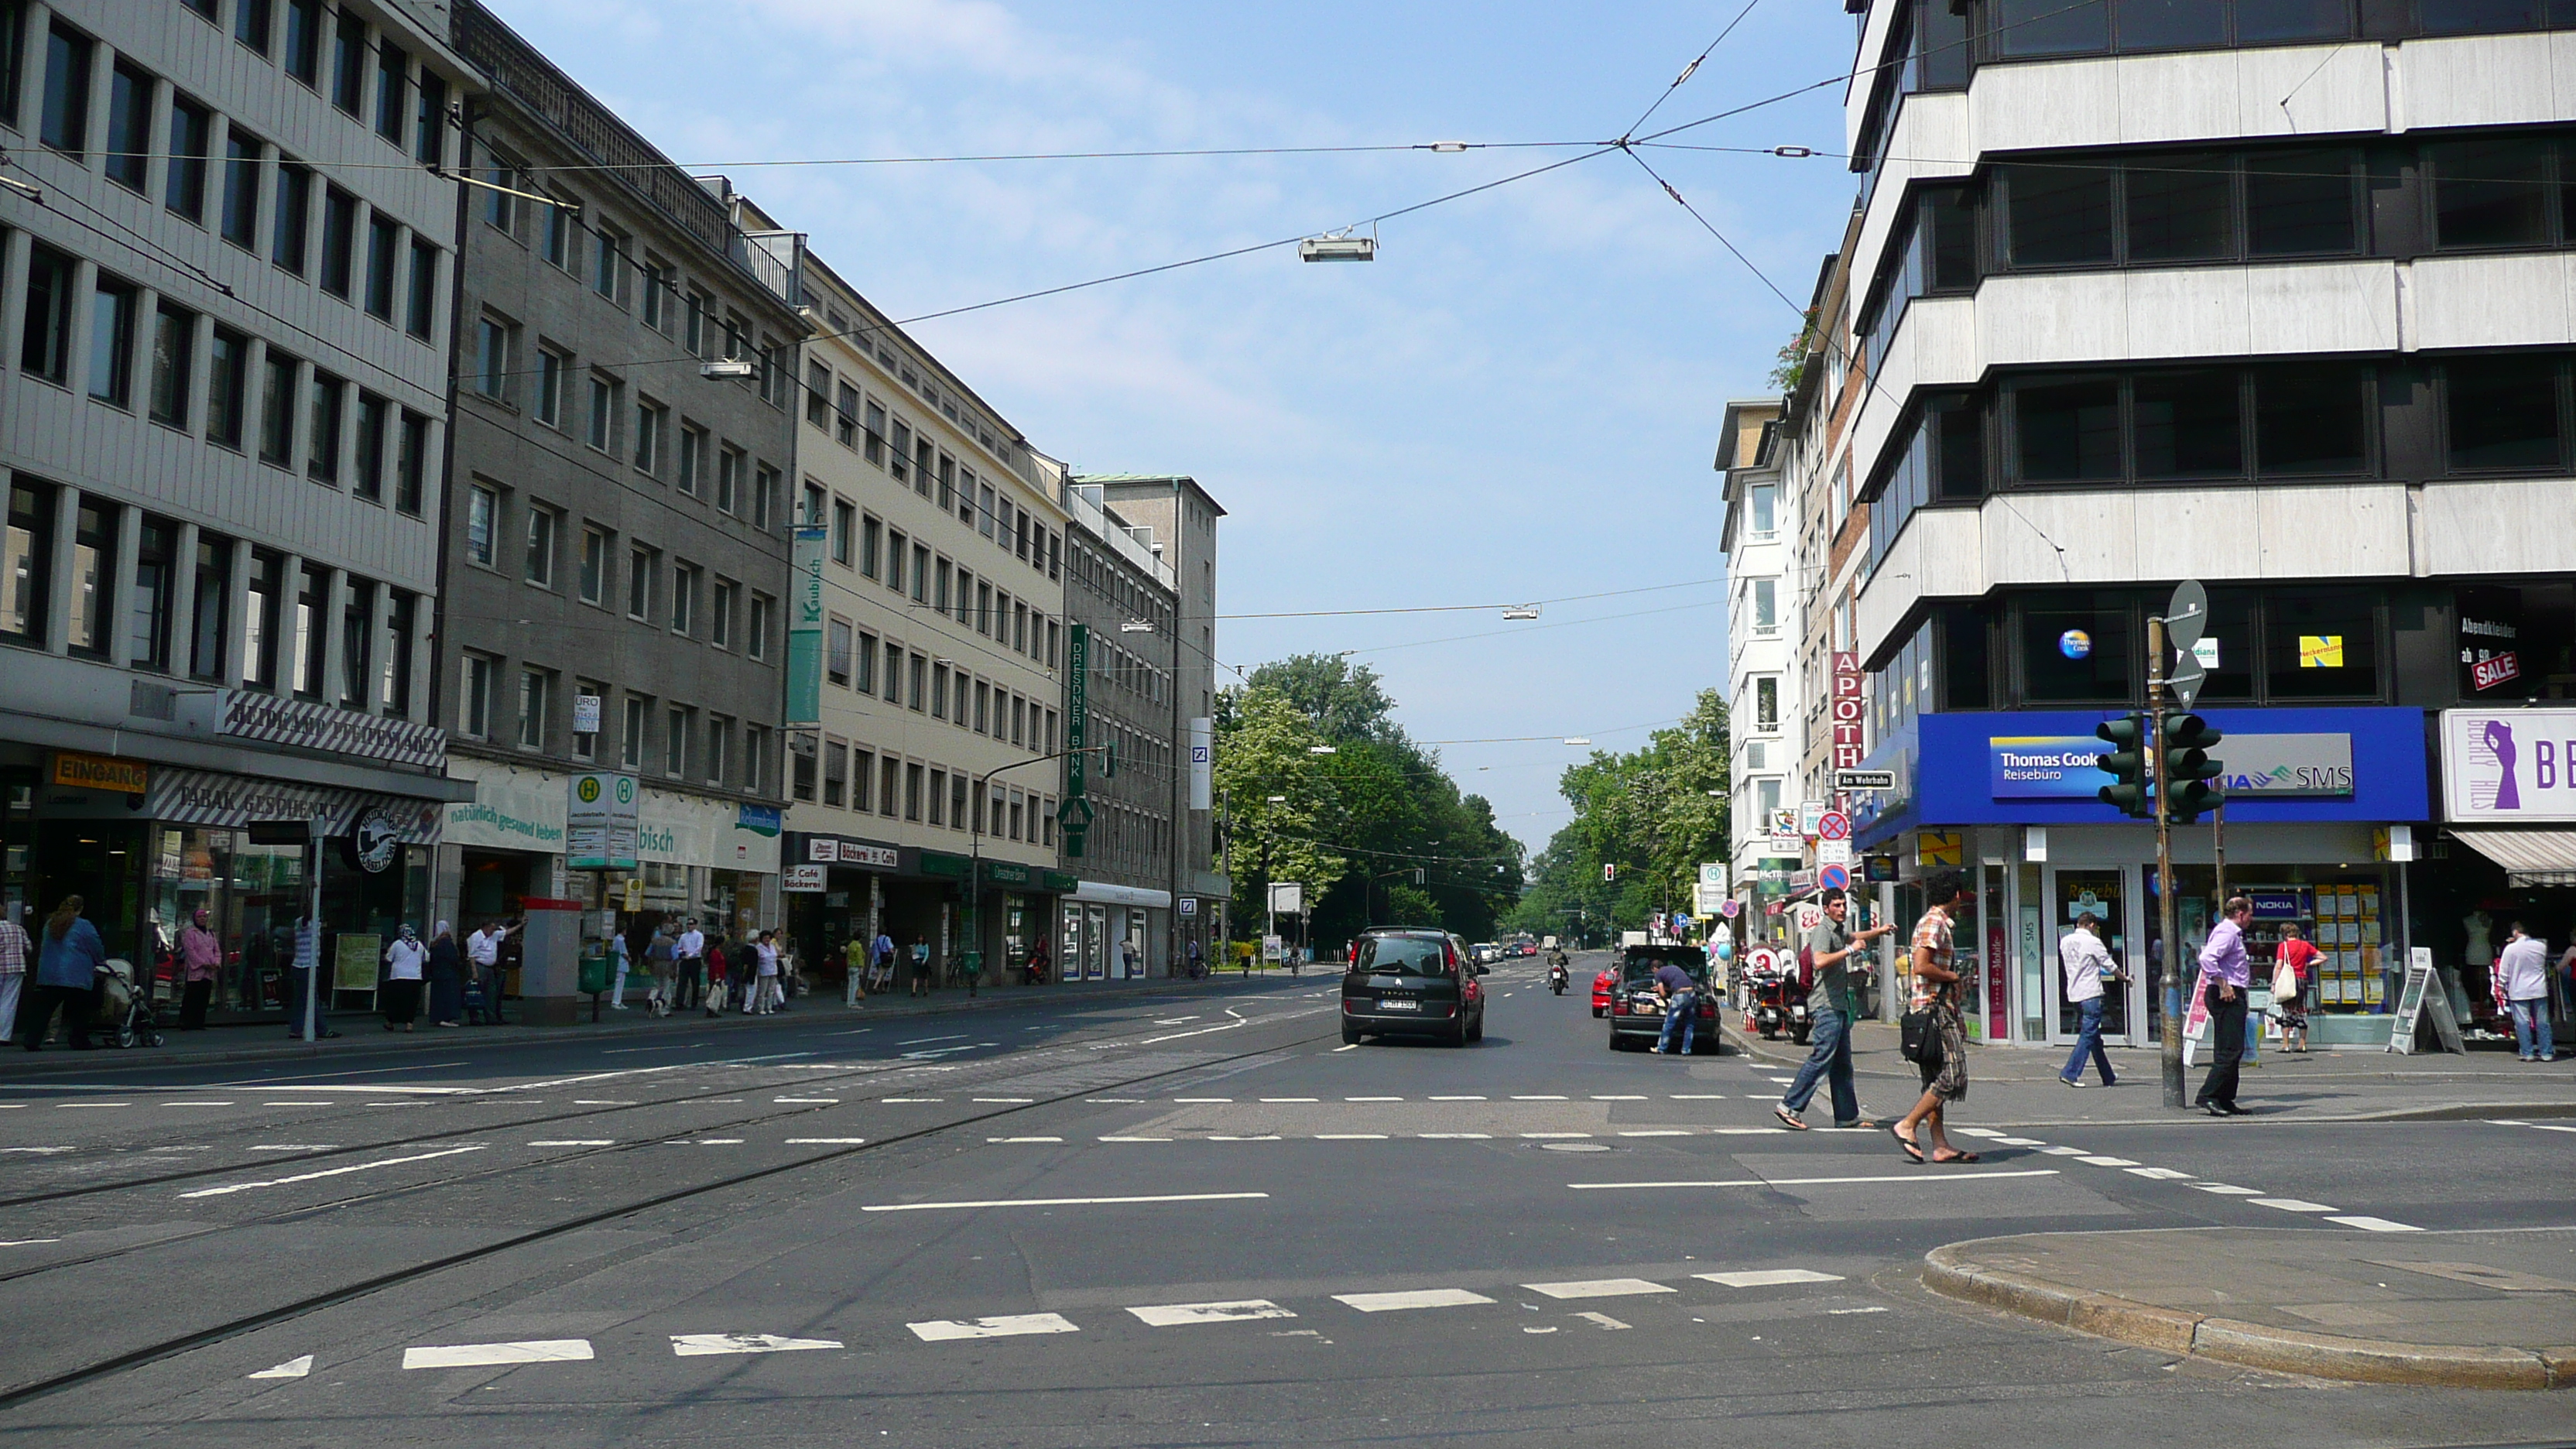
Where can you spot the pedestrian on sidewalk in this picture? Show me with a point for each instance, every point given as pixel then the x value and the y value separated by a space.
pixel 67 965
pixel 1935 993
pixel 1039 965
pixel 1831 1010
pixel 764 994
pixel 623 964
pixel 483 953
pixel 446 978
pixel 201 957
pixel 854 963
pixel 405 960
pixel 2087 962
pixel 306 991
pixel 690 952
pixel 658 964
pixel 720 966
pixel 2294 966
pixel 881 962
pixel 14 947
pixel 2522 978
pixel 2222 957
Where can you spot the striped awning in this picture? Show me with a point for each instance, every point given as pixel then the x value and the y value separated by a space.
pixel 2529 857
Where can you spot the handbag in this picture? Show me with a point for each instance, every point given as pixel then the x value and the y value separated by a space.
pixel 2285 982
pixel 1918 1036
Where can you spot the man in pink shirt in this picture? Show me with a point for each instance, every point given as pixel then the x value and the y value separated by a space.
pixel 201 957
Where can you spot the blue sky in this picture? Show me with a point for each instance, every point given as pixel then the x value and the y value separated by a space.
pixel 1518 400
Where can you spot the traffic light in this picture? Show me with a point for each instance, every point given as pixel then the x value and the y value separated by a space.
pixel 2189 771
pixel 1609 873
pixel 2127 763
pixel 1109 760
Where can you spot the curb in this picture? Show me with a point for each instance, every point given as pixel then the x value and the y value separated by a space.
pixel 61 1061
pixel 1950 1272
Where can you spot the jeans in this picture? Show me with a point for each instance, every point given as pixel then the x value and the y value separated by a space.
pixel 1681 1018
pixel 295 990
pixel 38 1016
pixel 2531 1017
pixel 2088 1043
pixel 10 985
pixel 1830 1058
pixel 2227 1038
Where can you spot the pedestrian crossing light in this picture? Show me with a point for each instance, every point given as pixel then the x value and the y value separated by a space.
pixel 2126 764
pixel 2190 775
pixel 1609 873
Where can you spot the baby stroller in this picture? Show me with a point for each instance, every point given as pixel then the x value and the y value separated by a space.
pixel 118 1012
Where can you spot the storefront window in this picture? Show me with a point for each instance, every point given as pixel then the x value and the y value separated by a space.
pixel 2323 645
pixel 2076 649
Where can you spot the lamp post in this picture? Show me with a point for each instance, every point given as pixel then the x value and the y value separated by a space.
pixel 975 838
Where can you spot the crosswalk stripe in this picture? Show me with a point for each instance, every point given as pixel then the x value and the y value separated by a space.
pixel 1174 1315
pixel 1411 1298
pixel 1656 1132
pixel 1941 1177
pixel 1768 1277
pixel 1135 1139
pixel 2228 1189
pixel 485 1355
pixel 826 1141
pixel 2107 1161
pixel 1009 1325
pixel 1456 1136
pixel 1598 1288
pixel 293 1368
pixel 1350 1137
pixel 2290 1204
pixel 2375 1225
pixel 703 1345
pixel 575 1142
pixel 1024 1139
pixel 1014 1202
pixel 2160 1174
pixel 2065 1151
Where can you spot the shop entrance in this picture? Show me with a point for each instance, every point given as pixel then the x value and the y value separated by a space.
pixel 2105 894
pixel 102 862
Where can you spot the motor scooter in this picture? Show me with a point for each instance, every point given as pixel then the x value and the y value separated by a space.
pixel 1557 979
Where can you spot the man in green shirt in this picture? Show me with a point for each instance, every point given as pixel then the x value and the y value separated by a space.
pixel 1831 1010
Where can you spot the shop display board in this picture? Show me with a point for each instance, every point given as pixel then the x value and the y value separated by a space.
pixel 353 964
pixel 2421 993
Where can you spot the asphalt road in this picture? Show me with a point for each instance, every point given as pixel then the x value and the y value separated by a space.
pixel 1142 1221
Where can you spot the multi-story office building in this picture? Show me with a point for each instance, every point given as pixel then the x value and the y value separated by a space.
pixel 615 549
pixel 221 413
pixel 1119 589
pixel 924 783
pixel 1759 541
pixel 1180 523
pixel 2269 296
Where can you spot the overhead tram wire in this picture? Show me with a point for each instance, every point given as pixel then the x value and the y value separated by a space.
pixel 1691 69
pixel 1534 628
pixel 968 158
pixel 1471 608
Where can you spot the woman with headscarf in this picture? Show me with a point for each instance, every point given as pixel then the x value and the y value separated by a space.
pixel 201 955
pixel 67 966
pixel 404 960
pixel 446 979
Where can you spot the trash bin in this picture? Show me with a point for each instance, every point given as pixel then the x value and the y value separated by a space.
pixel 594 975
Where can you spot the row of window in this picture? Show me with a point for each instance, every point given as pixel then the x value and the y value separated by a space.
pixel 567 236
pixel 2493 415
pixel 370 79
pixel 835 405
pixel 939 688
pixel 862 543
pixel 318 232
pixel 691 602
pixel 853 777
pixel 990 435
pixel 1132 598
pixel 175 612
pixel 254 397
pixel 690 744
pixel 2398 199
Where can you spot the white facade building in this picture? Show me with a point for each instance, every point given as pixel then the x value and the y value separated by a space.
pixel 1759 541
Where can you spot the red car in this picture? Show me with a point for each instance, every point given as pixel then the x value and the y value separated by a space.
pixel 1602 986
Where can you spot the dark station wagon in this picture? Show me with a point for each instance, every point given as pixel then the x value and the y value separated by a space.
pixel 1412 982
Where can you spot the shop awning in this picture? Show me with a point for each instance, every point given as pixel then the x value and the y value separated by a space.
pixel 2529 857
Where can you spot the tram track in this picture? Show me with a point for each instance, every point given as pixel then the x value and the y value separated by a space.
pixel 13 1396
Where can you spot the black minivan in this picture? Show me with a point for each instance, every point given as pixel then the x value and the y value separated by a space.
pixel 1412 982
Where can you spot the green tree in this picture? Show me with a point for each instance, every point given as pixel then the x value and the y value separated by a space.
pixel 1263 752
pixel 1654 813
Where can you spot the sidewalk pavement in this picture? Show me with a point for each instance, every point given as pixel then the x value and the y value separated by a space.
pixel 362 1033
pixel 2459 1310
pixel 2022 1082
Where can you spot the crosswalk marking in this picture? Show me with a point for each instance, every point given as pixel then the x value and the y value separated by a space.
pixel 1607 1323
pixel 1411 1298
pixel 575 1142
pixel 1024 1139
pixel 293 1368
pixel 1457 1136
pixel 1017 1202
pixel 1556 1134
pixel 1656 1132
pixel 1457 1099
pixel 1009 1325
pixel 1350 1137
pixel 1174 1315
pixel 2065 1151
pixel 486 1355
pixel 2020 1142
pixel 2160 1174
pixel 1768 1277
pixel 2371 1224
pixel 1598 1288
pixel 1135 1139
pixel 1976 1131
pixel 2290 1204
pixel 704 1345
pixel 2107 1161
pixel 826 1141
pixel 2228 1189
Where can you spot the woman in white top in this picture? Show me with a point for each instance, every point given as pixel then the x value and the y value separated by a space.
pixel 765 995
pixel 403 962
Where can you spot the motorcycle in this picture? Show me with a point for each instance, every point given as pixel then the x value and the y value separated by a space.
pixel 1771 996
pixel 1558 979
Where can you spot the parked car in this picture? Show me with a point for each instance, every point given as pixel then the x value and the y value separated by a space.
pixel 1602 987
pixel 1637 1011
pixel 1412 982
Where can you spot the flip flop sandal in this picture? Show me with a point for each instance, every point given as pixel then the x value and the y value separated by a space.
pixel 1962 1157
pixel 1789 1119
pixel 1904 1143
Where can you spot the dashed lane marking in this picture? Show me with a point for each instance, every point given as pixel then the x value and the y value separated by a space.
pixel 1977 1132
pixel 484 1355
pixel 1516 1099
pixel 1598 1288
pixel 2228 1189
pixel 1656 1132
pixel 810 1101
pixel 1135 1139
pixel 1009 1325
pixel 1458 1099
pixel 704 1345
pixel 1350 1137
pixel 196 1104
pixel 293 1368
pixel 68 1106
pixel 1630 1097
pixel 1024 1202
pixel 27 1242
pixel 2374 1225
pixel 1352 1047
pixel 1556 1134
pixel 1699 1096
pixel 1939 1177
pixel 2160 1174
pixel 2021 1142
pixel 229 1188
pixel 1372 1099
pixel 2107 1161
pixel 910 1101
pixel 826 1141
pixel 1005 1101
pixel 294 1146
pixel 2065 1151
pixel 39 1151
pixel 299 1104
pixel 1289 1099
pixel 1202 1101
pixel 1768 1277
pixel 2290 1204
pixel 1176 1315
pixel 576 1142
pixel 1411 1298
pixel 1603 1320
